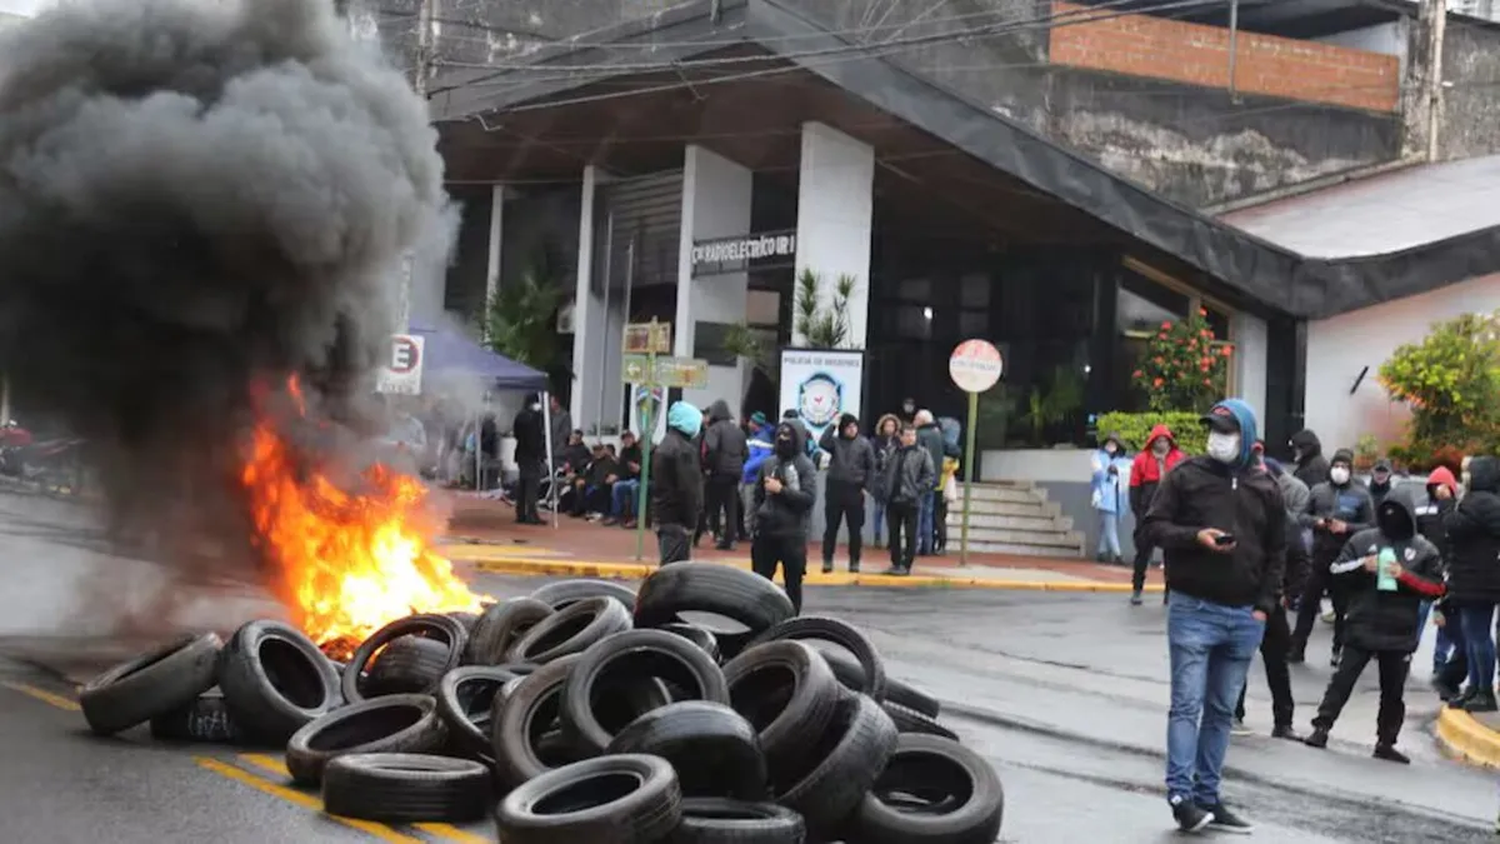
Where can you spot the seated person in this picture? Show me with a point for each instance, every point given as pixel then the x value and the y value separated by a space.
pixel 627 482
pixel 591 487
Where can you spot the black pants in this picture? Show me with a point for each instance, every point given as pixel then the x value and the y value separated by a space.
pixel 1273 650
pixel 843 502
pixel 588 499
pixel 1143 551
pixel 1393 668
pixel 939 523
pixel 1319 580
pixel 528 489
pixel 722 503
pixel 901 519
pixel 673 544
pixel 791 553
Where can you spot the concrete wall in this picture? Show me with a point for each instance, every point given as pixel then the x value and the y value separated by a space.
pixel 1470 121
pixel 1338 348
pixel 716 195
pixel 835 206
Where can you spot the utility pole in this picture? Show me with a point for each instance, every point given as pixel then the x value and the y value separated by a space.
pixel 421 74
pixel 1422 99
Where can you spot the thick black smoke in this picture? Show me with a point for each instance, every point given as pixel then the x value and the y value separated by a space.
pixel 197 196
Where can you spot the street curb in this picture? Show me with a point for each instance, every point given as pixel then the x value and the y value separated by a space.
pixel 638 571
pixel 1463 738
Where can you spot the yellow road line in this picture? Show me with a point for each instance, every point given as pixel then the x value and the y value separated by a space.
pixel 269 763
pixel 45 696
pixel 306 801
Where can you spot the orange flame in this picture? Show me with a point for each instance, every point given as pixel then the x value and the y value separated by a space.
pixel 345 563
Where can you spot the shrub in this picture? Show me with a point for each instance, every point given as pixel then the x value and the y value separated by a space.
pixel 1183 368
pixel 1451 382
pixel 1186 427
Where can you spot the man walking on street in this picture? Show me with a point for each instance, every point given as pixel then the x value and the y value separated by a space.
pixel 907 475
pixel 727 449
pixel 1337 509
pixel 784 497
pixel 677 483
pixel 1222 526
pixel 851 471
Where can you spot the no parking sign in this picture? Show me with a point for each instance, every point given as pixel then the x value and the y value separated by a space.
pixel 403 374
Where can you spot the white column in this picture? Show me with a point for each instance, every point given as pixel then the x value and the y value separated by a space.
pixel 1248 333
pixel 497 231
pixel 716 195
pixel 835 204
pixel 583 300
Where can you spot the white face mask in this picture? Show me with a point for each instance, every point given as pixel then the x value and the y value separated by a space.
pixel 1224 448
pixel 1339 475
pixel 537 406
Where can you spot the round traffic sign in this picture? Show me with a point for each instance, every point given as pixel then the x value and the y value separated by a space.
pixel 405 356
pixel 975 365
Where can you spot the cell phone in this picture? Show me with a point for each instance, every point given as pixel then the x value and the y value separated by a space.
pixel 1224 539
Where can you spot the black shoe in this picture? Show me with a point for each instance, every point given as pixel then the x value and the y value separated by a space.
pixel 1389 753
pixel 854 568
pixel 1285 731
pixel 1462 698
pixel 1446 691
pixel 1099 557
pixel 1117 561
pixel 1482 701
pixel 1190 818
pixel 1135 598
pixel 898 571
pixel 1296 656
pixel 1223 820
pixel 1317 738
pixel 1333 659
pixel 828 566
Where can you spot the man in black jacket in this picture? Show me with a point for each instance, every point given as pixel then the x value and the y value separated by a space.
pixel 726 450
pixel 1337 509
pixel 1472 525
pixel 907 475
pixel 784 496
pixel 1307 452
pixel 851 471
pixel 530 432
pixel 1388 572
pixel 1221 525
pixel 677 483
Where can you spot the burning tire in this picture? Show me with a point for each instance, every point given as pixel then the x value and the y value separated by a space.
pixel 788 693
pixel 441 627
pixel 625 799
pixel 499 628
pixel 713 588
pixel 911 721
pixel 275 680
pixel 466 700
pixel 622 660
pixel 850 757
pixel 846 636
pixel 852 675
pixel 708 820
pixel 700 636
pixel 565 593
pixel 391 724
pixel 406 788
pixel 160 682
pixel 571 631
pixel 206 719
pixel 932 791
pixel 714 750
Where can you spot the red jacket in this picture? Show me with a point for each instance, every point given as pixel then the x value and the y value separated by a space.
pixel 1145 473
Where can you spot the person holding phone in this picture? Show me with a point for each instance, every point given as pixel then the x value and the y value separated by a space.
pixel 1221 525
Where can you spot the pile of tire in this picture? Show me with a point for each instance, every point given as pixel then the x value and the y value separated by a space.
pixel 587 712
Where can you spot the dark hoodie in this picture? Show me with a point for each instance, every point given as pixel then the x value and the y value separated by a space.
pixel 725 445
pixel 1312 466
pixel 1239 499
pixel 1348 502
pixel 530 432
pixel 1389 620
pixel 784 515
pixel 1147 469
pixel 851 459
pixel 1378 491
pixel 1430 512
pixel 1473 527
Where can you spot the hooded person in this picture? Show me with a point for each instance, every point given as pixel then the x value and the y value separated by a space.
pixel 784 496
pixel 530 432
pixel 1337 509
pixel 1387 571
pixel 930 437
pixel 1307 452
pixel 1472 526
pixel 1108 491
pixel 851 473
pixel 677 483
pixel 885 441
pixel 726 449
pixel 1156 459
pixel 1221 523
pixel 905 478
pixel 908 412
pixel 1450 664
pixel 1382 476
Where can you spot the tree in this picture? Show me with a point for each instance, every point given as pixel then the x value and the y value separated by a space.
pixel 521 320
pixel 1183 368
pixel 1451 382
pixel 823 327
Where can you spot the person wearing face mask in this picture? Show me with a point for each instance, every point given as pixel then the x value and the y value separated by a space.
pixel 784 498
pixel 1111 475
pixel 1381 477
pixel 1307 453
pixel 530 432
pixel 1221 523
pixel 1337 509
pixel 1472 526
pixel 677 483
pixel 1151 465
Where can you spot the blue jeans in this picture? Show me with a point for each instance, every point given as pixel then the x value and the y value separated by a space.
pixel 1211 646
pixel 621 497
pixel 924 523
pixel 1479 640
pixel 879 518
pixel 1109 534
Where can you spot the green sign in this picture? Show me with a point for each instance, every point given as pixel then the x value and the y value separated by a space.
pixel 683 373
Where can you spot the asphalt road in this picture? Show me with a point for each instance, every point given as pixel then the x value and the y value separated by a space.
pixel 1065 694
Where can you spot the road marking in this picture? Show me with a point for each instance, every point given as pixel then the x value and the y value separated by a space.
pixel 270 763
pixel 306 801
pixel 45 696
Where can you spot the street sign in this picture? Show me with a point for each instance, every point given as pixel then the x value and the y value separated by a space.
pixel 403 375
pixel 975 365
pixel 645 338
pixel 683 373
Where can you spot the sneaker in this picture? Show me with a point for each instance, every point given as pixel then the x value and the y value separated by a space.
pixel 898 571
pixel 1463 697
pixel 1135 598
pixel 1317 738
pixel 611 521
pixel 1190 818
pixel 1239 728
pixel 1296 656
pixel 1446 691
pixel 1333 660
pixel 828 566
pixel 1285 731
pixel 1482 701
pixel 1223 820
pixel 1389 753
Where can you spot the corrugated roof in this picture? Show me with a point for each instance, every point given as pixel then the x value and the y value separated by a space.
pixel 1382 214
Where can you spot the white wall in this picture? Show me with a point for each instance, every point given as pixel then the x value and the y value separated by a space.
pixel 588 313
pixel 1060 465
pixel 835 201
pixel 1248 333
pixel 1338 348
pixel 1387 38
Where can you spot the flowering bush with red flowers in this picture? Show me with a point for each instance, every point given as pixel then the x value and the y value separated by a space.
pixel 1183 368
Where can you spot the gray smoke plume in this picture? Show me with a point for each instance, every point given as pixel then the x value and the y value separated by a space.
pixel 198 196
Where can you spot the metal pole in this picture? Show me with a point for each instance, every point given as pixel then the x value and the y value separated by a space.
pixel 629 283
pixel 609 251
pixel 963 546
pixel 547 435
pixel 1234 39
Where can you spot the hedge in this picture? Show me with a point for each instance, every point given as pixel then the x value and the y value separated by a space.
pixel 1133 428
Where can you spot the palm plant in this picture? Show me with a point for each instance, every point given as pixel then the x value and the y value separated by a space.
pixel 823 327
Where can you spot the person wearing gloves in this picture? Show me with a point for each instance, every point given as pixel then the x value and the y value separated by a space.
pixel 784 497
pixel 1388 571
pixel 907 476
pixel 677 483
pixel 851 472
pixel 1472 524
pixel 1337 509
pixel 1146 473
pixel 1221 523
pixel 1109 489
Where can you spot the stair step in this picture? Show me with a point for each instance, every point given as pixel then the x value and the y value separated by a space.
pixel 1048 536
pixel 1025 509
pixel 1008 484
pixel 1010 522
pixel 996 492
pixel 980 547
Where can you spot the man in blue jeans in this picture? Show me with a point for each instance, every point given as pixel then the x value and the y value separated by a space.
pixel 1222 528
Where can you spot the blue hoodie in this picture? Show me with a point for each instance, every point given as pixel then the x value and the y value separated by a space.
pixel 685 418
pixel 1249 430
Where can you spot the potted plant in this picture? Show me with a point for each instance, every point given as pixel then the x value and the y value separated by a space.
pixel 819 326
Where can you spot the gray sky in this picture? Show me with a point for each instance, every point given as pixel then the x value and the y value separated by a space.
pixel 21 7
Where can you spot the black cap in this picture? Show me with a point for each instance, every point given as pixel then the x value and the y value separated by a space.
pixel 1221 420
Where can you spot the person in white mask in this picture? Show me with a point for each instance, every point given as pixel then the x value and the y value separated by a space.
pixel 1337 509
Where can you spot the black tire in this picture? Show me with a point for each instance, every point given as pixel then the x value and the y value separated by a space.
pixel 714 750
pixel 947 794
pixel 162 681
pixel 608 800
pixel 620 661
pixel 466 700
pixel 499 628
pixel 843 634
pixel 275 680
pixel 565 593
pixel 466 619
pixel 788 693
pixel 406 788
pixel 571 631
pixel 520 721
pixel 390 724
pixel 410 665
pixel 852 754
pixel 715 588
pixel 700 636
pixel 912 721
pixel 900 693
pixel 440 627
pixel 206 720
pixel 709 820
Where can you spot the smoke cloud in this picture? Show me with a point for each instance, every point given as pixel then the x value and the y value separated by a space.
pixel 196 197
